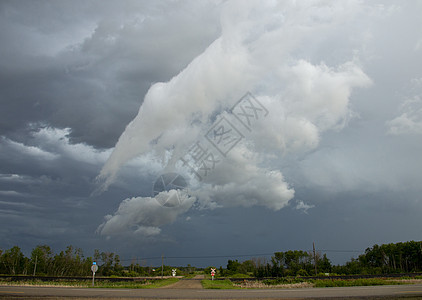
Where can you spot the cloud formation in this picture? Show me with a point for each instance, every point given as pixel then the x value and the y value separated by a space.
pixel 143 216
pixel 74 74
pixel 49 143
pixel 256 52
pixel 410 119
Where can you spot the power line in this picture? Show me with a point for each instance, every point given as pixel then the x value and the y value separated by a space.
pixel 201 257
pixel 236 255
pixel 222 256
pixel 354 251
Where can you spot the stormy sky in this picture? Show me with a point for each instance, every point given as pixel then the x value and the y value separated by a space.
pixel 290 123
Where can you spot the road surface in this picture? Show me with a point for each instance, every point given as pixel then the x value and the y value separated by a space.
pixel 371 292
pixel 193 283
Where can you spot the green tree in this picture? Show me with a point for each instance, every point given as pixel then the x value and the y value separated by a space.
pixel 324 264
pixel 110 263
pixel 13 261
pixel 42 260
pixel 71 263
pixel 278 263
pixel 246 267
pixel 232 266
pixel 296 260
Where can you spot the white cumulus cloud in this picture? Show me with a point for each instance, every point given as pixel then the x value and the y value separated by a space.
pixel 143 216
pixel 256 52
pixel 410 119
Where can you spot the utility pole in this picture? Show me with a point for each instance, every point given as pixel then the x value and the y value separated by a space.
pixel 162 265
pixel 35 267
pixel 315 262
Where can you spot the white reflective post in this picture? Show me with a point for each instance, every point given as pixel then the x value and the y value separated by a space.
pixel 94 268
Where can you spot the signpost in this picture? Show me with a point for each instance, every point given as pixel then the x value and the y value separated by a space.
pixel 212 273
pixel 94 268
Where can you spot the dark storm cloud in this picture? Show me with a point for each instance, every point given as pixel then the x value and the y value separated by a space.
pixel 74 74
pixel 87 67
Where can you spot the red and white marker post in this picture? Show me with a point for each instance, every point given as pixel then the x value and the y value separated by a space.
pixel 212 273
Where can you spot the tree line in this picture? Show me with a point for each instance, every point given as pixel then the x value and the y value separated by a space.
pixel 69 262
pixel 401 257
pixel 289 263
pixel 388 258
pixel 72 262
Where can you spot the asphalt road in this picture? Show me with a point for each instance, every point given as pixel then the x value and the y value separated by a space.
pixel 372 292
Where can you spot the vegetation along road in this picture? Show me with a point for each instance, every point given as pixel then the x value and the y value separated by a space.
pixel 369 292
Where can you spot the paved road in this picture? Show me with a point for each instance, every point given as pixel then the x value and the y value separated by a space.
pixel 373 292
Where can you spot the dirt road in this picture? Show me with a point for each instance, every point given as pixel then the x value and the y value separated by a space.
pixel 191 283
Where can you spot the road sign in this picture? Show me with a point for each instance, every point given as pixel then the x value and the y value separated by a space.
pixel 173 272
pixel 94 268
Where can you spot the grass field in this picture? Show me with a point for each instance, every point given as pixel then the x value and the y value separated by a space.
pixel 148 284
pixel 302 283
pixel 218 284
pixel 356 282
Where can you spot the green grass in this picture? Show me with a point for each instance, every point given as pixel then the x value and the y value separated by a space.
pixel 218 284
pixel 239 275
pixel 409 277
pixel 73 283
pixel 162 282
pixel 285 280
pixel 355 282
pixel 148 284
pixel 207 284
pixel 227 284
pixel 122 284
